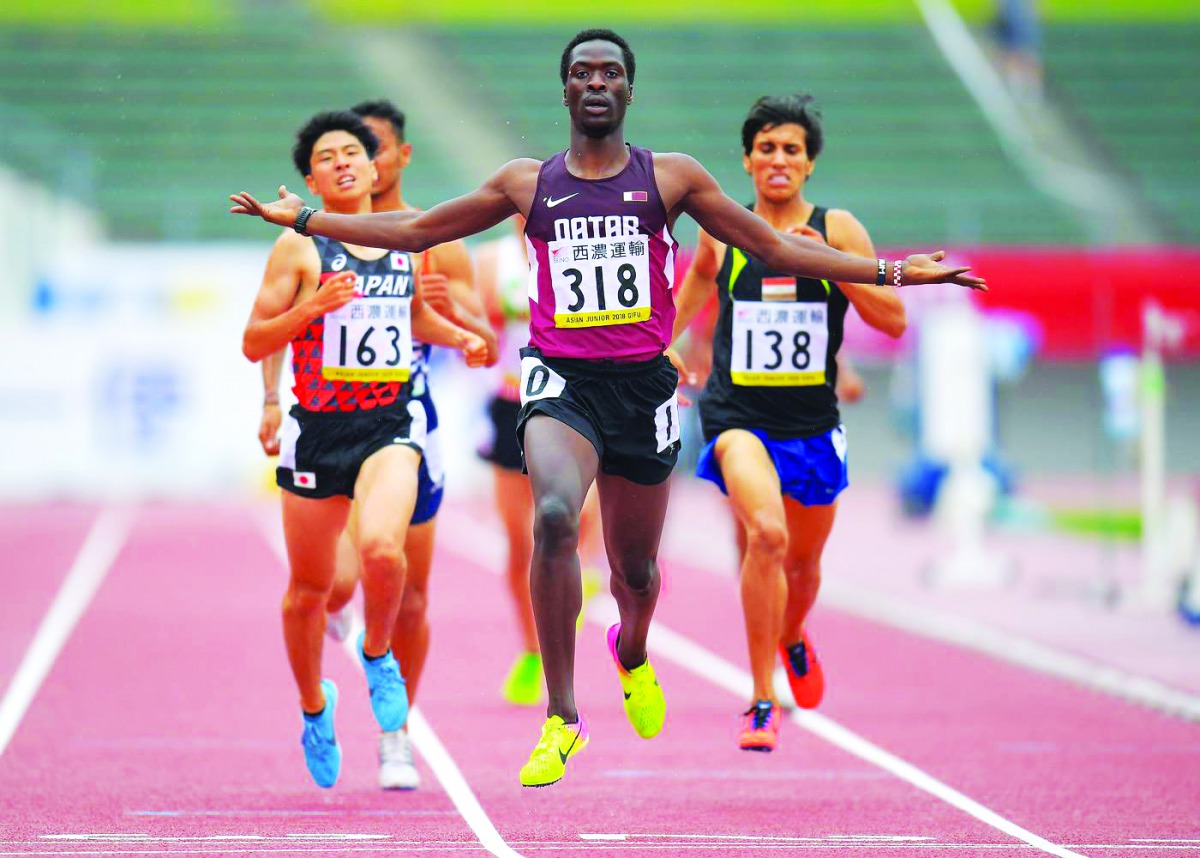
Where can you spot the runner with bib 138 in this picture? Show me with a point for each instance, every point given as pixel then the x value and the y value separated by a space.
pixel 598 401
pixel 769 412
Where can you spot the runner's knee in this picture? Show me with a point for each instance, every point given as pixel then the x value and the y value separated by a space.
pixel 381 556
pixel 413 606
pixel 555 525
pixel 806 569
pixel 303 598
pixel 639 575
pixel 766 535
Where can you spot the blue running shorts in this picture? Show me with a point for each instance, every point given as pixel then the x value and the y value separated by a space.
pixel 811 470
pixel 431 478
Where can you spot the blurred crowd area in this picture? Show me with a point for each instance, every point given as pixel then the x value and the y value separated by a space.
pixel 1051 145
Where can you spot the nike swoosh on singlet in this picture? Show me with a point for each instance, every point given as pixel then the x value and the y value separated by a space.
pixel 551 203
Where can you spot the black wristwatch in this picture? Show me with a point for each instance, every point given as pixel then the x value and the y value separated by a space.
pixel 302 219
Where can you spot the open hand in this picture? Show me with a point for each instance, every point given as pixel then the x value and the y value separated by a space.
pixel 924 268
pixel 268 429
pixel 282 212
pixel 336 292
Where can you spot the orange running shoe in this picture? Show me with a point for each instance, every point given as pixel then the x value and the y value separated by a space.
pixel 804 673
pixel 760 728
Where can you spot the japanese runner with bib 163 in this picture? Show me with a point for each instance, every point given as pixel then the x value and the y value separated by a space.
pixel 350 312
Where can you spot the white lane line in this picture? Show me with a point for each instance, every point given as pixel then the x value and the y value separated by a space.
pixel 940 625
pixel 419 730
pixel 95 557
pixel 458 847
pixel 708 665
pixel 834 839
pixel 1015 649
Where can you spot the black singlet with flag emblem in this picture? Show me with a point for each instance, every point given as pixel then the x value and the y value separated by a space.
pixel 774 350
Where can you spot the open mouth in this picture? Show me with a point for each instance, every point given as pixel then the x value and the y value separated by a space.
pixel 595 106
pixel 347 181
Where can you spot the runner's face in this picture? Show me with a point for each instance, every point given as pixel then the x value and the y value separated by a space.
pixel 341 170
pixel 597 91
pixel 392 156
pixel 779 163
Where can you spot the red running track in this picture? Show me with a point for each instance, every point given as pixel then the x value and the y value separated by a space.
pixel 168 724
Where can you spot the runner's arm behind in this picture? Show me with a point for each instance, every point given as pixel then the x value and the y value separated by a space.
pixel 878 306
pixel 276 317
pixel 430 326
pixel 698 284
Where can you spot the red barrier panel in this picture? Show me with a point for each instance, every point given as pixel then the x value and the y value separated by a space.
pixel 1085 301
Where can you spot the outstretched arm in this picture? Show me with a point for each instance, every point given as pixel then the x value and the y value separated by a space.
pixel 698 284
pixel 878 306
pixel 499 197
pixel 698 194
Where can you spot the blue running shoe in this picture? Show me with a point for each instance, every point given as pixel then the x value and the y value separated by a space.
pixel 389 696
pixel 322 752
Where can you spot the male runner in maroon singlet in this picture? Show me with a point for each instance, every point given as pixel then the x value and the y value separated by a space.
pixel 598 393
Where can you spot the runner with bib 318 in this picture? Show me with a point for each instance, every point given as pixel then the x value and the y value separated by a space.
pixel 598 391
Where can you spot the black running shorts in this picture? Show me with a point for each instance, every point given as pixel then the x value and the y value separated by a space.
pixel 321 452
pixel 629 411
pixel 504 450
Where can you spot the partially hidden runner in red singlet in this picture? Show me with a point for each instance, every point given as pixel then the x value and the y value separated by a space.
pixel 598 394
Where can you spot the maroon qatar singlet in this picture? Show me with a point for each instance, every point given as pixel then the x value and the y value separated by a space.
pixel 601 263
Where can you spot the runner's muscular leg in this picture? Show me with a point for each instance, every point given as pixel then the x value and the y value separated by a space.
pixel 632 516
pixel 754 492
pixel 310 528
pixel 386 492
pixel 514 501
pixel 346 578
pixel 410 636
pixel 808 529
pixel 562 464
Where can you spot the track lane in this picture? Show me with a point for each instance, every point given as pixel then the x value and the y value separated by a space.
pixel 38 543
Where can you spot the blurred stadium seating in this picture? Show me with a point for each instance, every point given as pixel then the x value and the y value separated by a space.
pixel 906 148
pixel 169 121
pixel 1135 91
pixel 153 119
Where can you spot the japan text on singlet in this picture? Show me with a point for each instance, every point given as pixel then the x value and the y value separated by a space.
pixel 601 263
pixel 774 364
pixel 359 356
